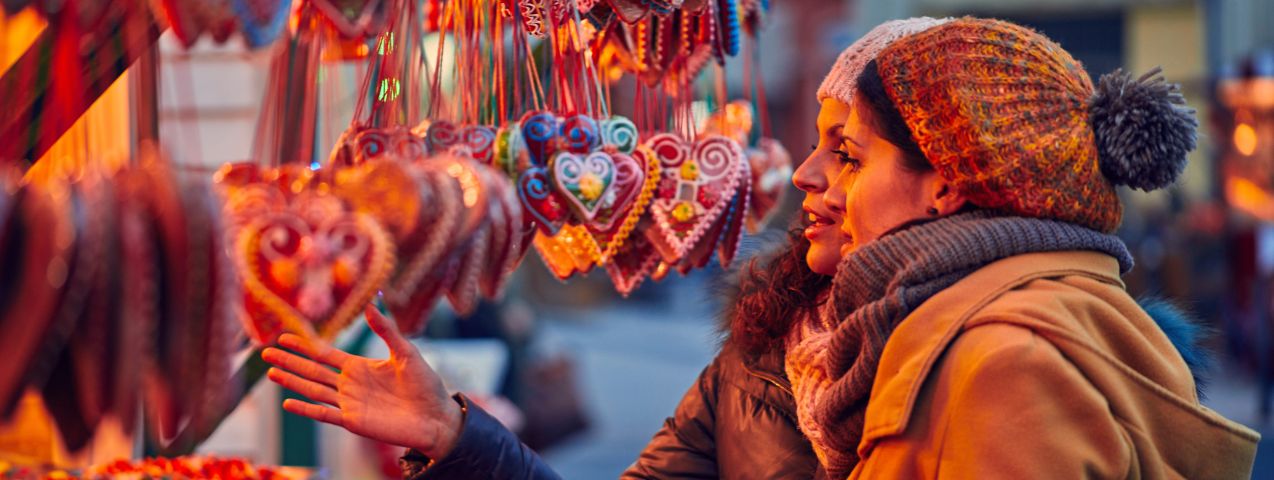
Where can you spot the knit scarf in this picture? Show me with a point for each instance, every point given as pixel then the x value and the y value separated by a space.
pixel 832 361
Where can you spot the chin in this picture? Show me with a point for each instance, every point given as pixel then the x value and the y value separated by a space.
pixel 823 260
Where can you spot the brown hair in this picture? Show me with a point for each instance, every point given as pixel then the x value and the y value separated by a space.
pixel 773 291
pixel 880 112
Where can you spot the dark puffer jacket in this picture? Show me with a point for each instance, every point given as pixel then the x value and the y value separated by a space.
pixel 737 421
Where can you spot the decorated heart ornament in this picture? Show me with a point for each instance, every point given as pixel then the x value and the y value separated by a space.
pixel 308 271
pixel 539 201
pixel 571 251
pixel 771 171
pixel 619 132
pixel 635 181
pixel 508 146
pixel 632 264
pixel 585 181
pixel 539 130
pixel 695 187
pixel 441 135
pixel 579 133
pixel 480 141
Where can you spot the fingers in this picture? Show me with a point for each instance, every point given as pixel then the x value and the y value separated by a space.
pixel 321 413
pixel 300 365
pixel 326 354
pixel 386 330
pixel 312 390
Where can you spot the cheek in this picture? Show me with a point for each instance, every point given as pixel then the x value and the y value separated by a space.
pixel 879 201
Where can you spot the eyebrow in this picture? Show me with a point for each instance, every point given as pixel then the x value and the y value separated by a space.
pixel 851 140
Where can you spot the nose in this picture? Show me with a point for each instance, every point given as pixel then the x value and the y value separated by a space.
pixel 834 197
pixel 806 176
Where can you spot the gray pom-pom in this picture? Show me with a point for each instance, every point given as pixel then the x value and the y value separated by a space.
pixel 1143 129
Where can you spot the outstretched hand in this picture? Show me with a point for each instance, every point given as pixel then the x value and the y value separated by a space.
pixel 400 400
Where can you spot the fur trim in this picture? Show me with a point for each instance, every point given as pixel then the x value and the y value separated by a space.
pixel 1187 334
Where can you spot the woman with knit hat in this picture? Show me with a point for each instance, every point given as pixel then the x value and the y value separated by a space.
pixel 978 326
pixel 736 421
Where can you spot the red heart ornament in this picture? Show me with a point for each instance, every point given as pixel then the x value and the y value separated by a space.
pixel 771 168
pixel 311 268
pixel 695 187
pixel 740 208
pixel 539 201
pixel 635 180
pixel 631 265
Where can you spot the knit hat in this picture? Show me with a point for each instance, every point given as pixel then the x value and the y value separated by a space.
pixel 1014 123
pixel 842 81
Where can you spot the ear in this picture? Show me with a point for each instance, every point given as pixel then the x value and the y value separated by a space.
pixel 946 198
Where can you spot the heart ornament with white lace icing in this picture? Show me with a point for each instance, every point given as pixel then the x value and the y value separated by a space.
pixel 696 185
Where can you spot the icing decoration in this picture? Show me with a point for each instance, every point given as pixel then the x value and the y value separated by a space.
pixel 632 264
pixel 586 182
pixel 579 133
pixel 694 188
pixel 538 200
pixel 619 132
pixel 441 136
pixel 480 141
pixel 739 211
pixel 635 181
pixel 310 268
pixel 534 18
pixel 629 11
pixel 538 130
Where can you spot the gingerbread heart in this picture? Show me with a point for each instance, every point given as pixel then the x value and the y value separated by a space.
pixel 585 182
pixel 695 187
pixel 508 146
pixel 579 133
pixel 629 11
pixel 441 136
pixel 571 251
pixel 310 269
pixel 480 140
pixel 635 180
pixel 619 132
pixel 631 265
pixel 539 201
pixel 534 15
pixel 410 294
pixel 740 209
pixel 771 168
pixel 539 131
pixel 350 18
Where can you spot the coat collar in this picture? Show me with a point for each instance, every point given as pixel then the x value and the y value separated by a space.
pixel 919 340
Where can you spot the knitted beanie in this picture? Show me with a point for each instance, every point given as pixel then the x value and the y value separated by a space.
pixel 842 81
pixel 1014 123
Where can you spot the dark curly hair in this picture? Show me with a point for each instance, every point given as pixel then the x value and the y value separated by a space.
pixel 771 292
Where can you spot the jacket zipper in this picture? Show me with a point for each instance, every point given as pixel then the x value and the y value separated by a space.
pixel 773 380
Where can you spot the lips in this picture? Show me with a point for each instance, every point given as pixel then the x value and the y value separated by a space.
pixel 817 220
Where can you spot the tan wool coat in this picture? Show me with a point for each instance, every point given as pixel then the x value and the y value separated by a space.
pixel 1042 366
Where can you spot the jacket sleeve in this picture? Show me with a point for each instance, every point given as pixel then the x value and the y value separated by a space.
pixel 485 449
pixel 1005 403
pixel 686 445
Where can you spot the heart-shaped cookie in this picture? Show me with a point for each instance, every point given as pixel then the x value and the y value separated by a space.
pixel 585 181
pixel 631 265
pixel 508 146
pixel 579 133
pixel 441 136
pixel 619 132
pixel 311 268
pixel 571 251
pixel 539 201
pixel 695 187
pixel 480 140
pixel 739 210
pixel 629 11
pixel 771 168
pixel 635 180
pixel 539 132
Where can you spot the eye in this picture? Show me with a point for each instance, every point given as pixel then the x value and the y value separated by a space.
pixel 847 160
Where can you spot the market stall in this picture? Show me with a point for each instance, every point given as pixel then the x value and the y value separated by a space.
pixel 136 295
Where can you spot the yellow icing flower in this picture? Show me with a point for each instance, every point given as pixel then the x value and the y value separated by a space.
pixel 590 187
pixel 690 171
pixel 683 212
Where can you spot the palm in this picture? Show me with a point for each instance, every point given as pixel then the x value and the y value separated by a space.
pixel 399 400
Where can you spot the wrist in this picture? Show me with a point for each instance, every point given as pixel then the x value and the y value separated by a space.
pixel 444 433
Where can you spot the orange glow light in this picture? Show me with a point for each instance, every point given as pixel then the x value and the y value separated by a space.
pixel 1245 139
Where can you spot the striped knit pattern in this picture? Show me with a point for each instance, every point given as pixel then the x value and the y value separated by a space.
pixel 878 285
pixel 1002 113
